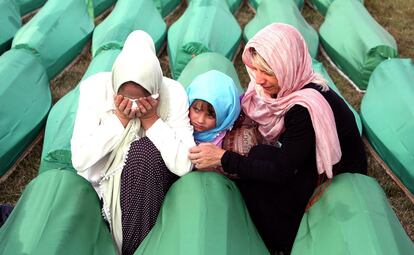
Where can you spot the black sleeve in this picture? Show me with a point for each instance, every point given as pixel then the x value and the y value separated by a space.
pixel 277 165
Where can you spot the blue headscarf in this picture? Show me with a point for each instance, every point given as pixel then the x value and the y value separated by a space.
pixel 221 92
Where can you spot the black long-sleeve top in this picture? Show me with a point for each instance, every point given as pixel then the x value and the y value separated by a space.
pixel 277 183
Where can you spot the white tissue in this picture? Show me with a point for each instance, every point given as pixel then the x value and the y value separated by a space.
pixel 134 104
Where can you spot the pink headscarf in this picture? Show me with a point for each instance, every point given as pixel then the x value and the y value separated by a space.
pixel 285 51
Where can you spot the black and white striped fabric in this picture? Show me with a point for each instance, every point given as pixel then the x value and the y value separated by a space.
pixel 145 180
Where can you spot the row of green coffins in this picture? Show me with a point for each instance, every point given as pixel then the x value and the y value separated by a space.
pixel 12 10
pixel 59 213
pixel 40 49
pixel 357 52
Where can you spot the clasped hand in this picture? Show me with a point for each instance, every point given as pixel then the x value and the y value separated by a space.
pixel 147 108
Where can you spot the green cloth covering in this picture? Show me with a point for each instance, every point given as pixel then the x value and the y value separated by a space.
pixel 165 7
pixel 25 101
pixel 58 213
pixel 322 6
pixel 27 6
pixel 284 11
pixel 206 62
pixel 387 112
pixel 99 6
pixel 318 67
pixel 10 22
pixel 354 41
pixel 127 16
pixel 352 216
pixel 203 213
pixel 56 153
pixel 57 33
pixel 205 26
pixel 256 3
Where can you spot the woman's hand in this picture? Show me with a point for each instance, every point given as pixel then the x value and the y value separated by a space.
pixel 147 107
pixel 206 155
pixel 123 109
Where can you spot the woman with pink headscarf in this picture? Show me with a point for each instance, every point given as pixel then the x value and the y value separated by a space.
pixel 310 134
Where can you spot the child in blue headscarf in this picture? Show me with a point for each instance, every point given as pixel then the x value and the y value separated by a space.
pixel 214 106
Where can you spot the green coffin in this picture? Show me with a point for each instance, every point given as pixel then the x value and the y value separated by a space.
pixel 387 112
pixel 205 26
pixel 203 214
pixel 165 7
pixel 354 41
pixel 25 101
pixel 352 216
pixel 206 62
pixel 127 16
pixel 56 153
pixel 255 3
pixel 318 67
pixel 10 22
pixel 284 11
pixel 99 6
pixel 322 6
pixel 58 213
pixel 57 33
pixel 27 6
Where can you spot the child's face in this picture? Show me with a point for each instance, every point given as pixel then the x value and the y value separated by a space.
pixel 202 117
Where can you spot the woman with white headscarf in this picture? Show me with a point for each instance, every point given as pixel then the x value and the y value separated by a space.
pixel 131 139
pixel 310 134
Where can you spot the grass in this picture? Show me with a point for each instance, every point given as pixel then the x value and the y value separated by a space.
pixel 394 15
